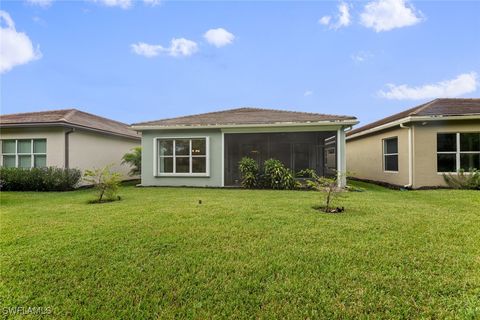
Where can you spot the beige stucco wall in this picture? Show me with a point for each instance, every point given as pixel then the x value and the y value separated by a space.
pixel 54 136
pixel 90 150
pixel 425 149
pixel 365 157
pixel 87 150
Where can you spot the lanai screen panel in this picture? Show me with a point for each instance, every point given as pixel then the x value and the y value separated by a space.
pixel 296 150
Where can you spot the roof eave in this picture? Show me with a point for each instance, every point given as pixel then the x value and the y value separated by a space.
pixel 346 122
pixel 414 119
pixel 65 124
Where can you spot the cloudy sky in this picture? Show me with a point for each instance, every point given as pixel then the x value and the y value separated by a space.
pixel 145 60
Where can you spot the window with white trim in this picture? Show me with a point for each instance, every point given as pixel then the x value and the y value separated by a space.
pixel 458 151
pixel 182 156
pixel 24 153
pixel 390 154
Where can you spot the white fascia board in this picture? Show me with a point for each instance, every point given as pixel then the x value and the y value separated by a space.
pixel 235 126
pixel 413 119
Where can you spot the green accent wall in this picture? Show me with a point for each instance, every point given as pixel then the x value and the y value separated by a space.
pixel 215 158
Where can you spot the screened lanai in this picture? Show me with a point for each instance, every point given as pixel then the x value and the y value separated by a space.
pixel 296 150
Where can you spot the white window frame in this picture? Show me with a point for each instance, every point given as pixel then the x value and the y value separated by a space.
pixel 457 152
pixel 389 154
pixel 32 154
pixel 156 158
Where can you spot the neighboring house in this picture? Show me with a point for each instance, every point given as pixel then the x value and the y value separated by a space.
pixel 204 149
pixel 65 139
pixel 415 147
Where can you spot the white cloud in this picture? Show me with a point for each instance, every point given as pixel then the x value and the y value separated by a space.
pixel 124 4
pixel 343 18
pixel 147 50
pixel 325 20
pixel 462 84
pixel 384 15
pixel 152 3
pixel 361 56
pixel 219 37
pixel 307 93
pixel 182 47
pixel 178 47
pixel 41 3
pixel 16 48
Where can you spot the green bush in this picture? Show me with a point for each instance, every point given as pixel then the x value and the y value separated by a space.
pixel 307 173
pixel 463 180
pixel 277 176
pixel 39 179
pixel 249 172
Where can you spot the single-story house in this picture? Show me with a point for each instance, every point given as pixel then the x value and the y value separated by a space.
pixel 414 148
pixel 204 149
pixel 66 139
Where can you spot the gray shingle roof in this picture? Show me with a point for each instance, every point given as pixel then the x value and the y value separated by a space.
pixel 67 117
pixel 245 116
pixel 437 107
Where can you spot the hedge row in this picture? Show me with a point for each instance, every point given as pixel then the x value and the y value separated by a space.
pixel 39 179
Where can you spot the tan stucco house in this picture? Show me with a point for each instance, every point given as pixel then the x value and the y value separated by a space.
pixel 415 147
pixel 64 138
pixel 204 149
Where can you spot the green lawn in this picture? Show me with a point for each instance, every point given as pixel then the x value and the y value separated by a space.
pixel 242 254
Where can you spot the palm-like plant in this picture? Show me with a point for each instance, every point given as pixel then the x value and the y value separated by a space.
pixel 134 159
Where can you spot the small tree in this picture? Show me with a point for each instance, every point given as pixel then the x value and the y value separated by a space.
pixel 134 159
pixel 329 187
pixel 105 182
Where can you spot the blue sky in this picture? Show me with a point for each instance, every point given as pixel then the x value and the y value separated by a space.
pixel 115 57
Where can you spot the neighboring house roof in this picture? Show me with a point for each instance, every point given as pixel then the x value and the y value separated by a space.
pixel 245 117
pixel 68 117
pixel 437 109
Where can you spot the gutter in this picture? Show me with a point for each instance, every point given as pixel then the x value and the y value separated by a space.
pixel 67 146
pixel 256 125
pixel 65 124
pixel 413 119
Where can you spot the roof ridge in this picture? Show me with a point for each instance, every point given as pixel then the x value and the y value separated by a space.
pixel 243 108
pixel 294 111
pixel 68 115
pixel 423 107
pixel 41 111
pixel 97 116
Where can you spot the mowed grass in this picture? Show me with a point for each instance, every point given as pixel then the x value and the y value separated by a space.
pixel 160 254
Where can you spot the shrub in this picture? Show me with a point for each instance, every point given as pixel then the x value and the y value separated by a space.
pixel 134 159
pixel 463 180
pixel 39 179
pixel 277 176
pixel 105 182
pixel 249 172
pixel 331 191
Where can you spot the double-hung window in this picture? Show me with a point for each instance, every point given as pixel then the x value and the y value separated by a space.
pixel 182 156
pixel 458 151
pixel 390 154
pixel 24 153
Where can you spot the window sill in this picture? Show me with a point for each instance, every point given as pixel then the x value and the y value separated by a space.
pixel 387 171
pixel 182 175
pixel 453 173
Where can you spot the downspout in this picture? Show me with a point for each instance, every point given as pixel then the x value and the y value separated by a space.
pixel 67 147
pixel 341 158
pixel 410 156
